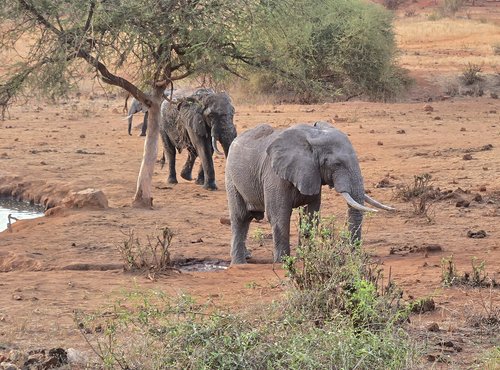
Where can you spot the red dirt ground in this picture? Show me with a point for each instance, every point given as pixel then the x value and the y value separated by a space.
pixel 41 149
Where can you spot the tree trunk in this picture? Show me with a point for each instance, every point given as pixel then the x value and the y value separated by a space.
pixel 143 196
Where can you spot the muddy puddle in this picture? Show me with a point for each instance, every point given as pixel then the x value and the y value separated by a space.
pixel 202 265
pixel 12 210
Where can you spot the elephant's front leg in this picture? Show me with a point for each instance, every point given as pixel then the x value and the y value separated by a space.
pixel 279 214
pixel 204 148
pixel 240 223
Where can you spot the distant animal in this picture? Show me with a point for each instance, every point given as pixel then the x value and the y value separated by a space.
pixel 274 171
pixel 197 123
pixel 136 107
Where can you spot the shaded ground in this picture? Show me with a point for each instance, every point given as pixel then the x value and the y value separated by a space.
pixel 48 150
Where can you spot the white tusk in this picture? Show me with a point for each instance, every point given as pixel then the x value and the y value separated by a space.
pixel 355 204
pixel 374 203
pixel 214 145
pixel 130 115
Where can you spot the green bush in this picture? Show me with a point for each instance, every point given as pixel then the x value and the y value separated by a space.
pixel 336 315
pixel 335 49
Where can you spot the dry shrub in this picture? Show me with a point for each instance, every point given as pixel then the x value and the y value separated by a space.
pixel 471 74
pixel 153 256
pixel 420 193
pixel 477 278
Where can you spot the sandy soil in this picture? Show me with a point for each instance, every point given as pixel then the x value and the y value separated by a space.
pixel 68 261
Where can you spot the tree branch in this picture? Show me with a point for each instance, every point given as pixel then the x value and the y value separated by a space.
pixel 115 80
pixel 40 18
pixel 90 15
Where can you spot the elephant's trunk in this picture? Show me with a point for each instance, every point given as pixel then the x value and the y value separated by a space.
pixel 130 124
pixel 355 213
pixel 350 186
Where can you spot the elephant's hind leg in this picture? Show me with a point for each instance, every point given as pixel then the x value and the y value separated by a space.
pixel 169 153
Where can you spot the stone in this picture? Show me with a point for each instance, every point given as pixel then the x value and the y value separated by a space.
pixel 476 234
pixel 428 108
pixel 76 357
pixel 8 366
pixel 88 198
pixel 478 198
pixel 434 327
pixel 462 203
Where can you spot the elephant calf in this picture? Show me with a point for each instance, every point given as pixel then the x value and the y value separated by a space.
pixel 197 123
pixel 274 171
pixel 137 107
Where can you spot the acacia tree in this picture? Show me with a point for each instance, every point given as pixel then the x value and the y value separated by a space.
pixel 156 42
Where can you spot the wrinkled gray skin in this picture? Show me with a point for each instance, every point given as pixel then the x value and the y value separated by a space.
pixel 278 170
pixel 196 123
pixel 137 107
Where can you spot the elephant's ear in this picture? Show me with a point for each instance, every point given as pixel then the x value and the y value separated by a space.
pixel 292 159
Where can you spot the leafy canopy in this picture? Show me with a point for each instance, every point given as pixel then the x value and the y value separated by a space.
pixel 320 48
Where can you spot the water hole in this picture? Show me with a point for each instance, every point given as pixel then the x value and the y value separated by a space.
pixel 18 210
pixel 202 265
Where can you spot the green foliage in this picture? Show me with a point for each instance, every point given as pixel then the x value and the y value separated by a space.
pixel 332 277
pixel 310 329
pixel 308 50
pixel 146 40
pixel 329 48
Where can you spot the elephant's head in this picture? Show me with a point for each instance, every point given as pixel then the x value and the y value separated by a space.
pixel 312 156
pixel 218 113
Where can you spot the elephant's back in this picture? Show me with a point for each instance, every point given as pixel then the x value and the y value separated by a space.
pixel 256 139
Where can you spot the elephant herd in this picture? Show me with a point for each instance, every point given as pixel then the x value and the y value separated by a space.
pixel 267 170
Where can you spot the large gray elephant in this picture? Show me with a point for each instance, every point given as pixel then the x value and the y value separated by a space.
pixel 274 171
pixel 197 123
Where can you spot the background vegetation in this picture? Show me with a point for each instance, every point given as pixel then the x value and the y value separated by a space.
pixel 301 50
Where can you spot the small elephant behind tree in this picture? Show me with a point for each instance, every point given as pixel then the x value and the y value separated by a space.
pixel 136 107
pixel 274 171
pixel 197 123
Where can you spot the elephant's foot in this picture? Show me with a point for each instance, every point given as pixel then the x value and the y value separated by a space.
pixel 241 257
pixel 200 181
pixel 142 134
pixel 172 180
pixel 278 256
pixel 210 185
pixel 186 175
